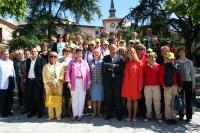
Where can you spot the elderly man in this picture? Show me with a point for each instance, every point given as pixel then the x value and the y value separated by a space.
pixel 20 70
pixel 7 84
pixel 112 81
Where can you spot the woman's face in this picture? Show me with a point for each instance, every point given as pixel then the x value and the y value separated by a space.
pixel 85 46
pixel 60 39
pixel 182 54
pixel 140 51
pixel 66 53
pixel 96 55
pixel 53 58
pixel 79 55
pixel 92 47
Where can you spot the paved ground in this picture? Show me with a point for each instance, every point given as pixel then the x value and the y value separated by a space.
pixel 20 124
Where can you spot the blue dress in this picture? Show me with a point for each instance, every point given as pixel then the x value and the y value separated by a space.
pixel 96 89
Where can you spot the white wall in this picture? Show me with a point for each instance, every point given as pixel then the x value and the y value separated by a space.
pixel 6 33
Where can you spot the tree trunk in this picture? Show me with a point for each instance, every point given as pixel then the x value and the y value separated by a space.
pixel 188 46
pixel 50 19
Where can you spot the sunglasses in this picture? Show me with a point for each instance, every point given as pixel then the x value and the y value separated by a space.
pixel 139 49
pixel 53 56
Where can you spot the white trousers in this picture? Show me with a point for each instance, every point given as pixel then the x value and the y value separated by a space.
pixel 78 98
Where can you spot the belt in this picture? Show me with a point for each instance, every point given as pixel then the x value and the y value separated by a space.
pixel 79 77
pixel 31 78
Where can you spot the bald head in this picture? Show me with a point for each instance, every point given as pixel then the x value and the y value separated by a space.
pixel 113 49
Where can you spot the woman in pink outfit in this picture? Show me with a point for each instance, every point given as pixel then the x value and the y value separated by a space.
pixel 78 79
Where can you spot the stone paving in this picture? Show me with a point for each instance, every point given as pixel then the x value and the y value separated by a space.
pixel 21 124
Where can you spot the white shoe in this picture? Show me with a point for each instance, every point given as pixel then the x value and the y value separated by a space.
pixel 145 120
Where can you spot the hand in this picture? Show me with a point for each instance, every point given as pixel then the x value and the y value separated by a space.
pixel 179 89
pixel 69 85
pixel 88 84
pixel 116 65
pixel 166 88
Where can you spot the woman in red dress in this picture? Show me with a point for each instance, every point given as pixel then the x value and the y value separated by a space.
pixel 132 82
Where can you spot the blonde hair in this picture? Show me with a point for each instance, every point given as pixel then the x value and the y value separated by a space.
pixel 97 51
pixel 133 52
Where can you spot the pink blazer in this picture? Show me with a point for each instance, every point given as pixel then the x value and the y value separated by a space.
pixel 72 69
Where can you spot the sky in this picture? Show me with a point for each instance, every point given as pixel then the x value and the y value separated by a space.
pixel 122 8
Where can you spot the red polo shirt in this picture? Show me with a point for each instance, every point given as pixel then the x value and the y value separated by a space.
pixel 151 74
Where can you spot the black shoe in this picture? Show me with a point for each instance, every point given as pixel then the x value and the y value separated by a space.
pixel 187 120
pixel 108 117
pixel 24 112
pixel 39 115
pixel 5 115
pixel 30 115
pixel 119 118
pixel 173 121
pixel 181 118
pixel 11 113
pixel 169 122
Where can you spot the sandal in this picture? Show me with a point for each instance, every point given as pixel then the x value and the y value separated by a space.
pixel 93 116
pixel 73 118
pixel 79 118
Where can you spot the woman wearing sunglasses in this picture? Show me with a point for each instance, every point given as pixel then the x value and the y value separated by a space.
pixel 53 75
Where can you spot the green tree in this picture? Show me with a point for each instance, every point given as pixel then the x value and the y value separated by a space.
pixel 15 8
pixel 159 14
pixel 45 16
pixel 187 20
pixel 148 12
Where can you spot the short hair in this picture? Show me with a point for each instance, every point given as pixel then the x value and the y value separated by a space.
pixel 164 47
pixel 79 50
pixel 181 48
pixel 66 50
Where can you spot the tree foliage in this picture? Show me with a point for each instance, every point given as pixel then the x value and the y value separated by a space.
pixel 45 16
pixel 160 14
pixel 15 8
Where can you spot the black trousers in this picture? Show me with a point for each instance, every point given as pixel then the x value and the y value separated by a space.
pixel 35 96
pixel 6 101
pixel 112 94
pixel 187 90
pixel 142 105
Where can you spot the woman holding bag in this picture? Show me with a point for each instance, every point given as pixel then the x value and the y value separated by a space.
pixel 53 75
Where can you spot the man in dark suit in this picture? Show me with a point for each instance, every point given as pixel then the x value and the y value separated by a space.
pixel 34 67
pixel 20 71
pixel 112 81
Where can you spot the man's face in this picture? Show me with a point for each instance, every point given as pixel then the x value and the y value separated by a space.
pixel 34 53
pixel 149 31
pixel 164 51
pixel 112 49
pixel 21 54
pixel 5 55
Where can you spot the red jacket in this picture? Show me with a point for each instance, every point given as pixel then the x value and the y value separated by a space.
pixel 151 74
pixel 162 76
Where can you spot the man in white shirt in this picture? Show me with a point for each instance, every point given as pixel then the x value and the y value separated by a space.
pixel 7 84
pixel 34 67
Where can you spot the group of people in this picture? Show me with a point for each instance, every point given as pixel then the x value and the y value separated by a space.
pixel 106 73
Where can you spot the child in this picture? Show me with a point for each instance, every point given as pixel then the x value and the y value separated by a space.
pixel 152 86
pixel 168 80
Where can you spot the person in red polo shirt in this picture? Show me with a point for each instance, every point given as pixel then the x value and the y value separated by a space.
pixel 152 86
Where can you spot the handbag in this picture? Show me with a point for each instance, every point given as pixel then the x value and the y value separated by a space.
pixel 53 101
pixel 179 102
pixel 194 101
